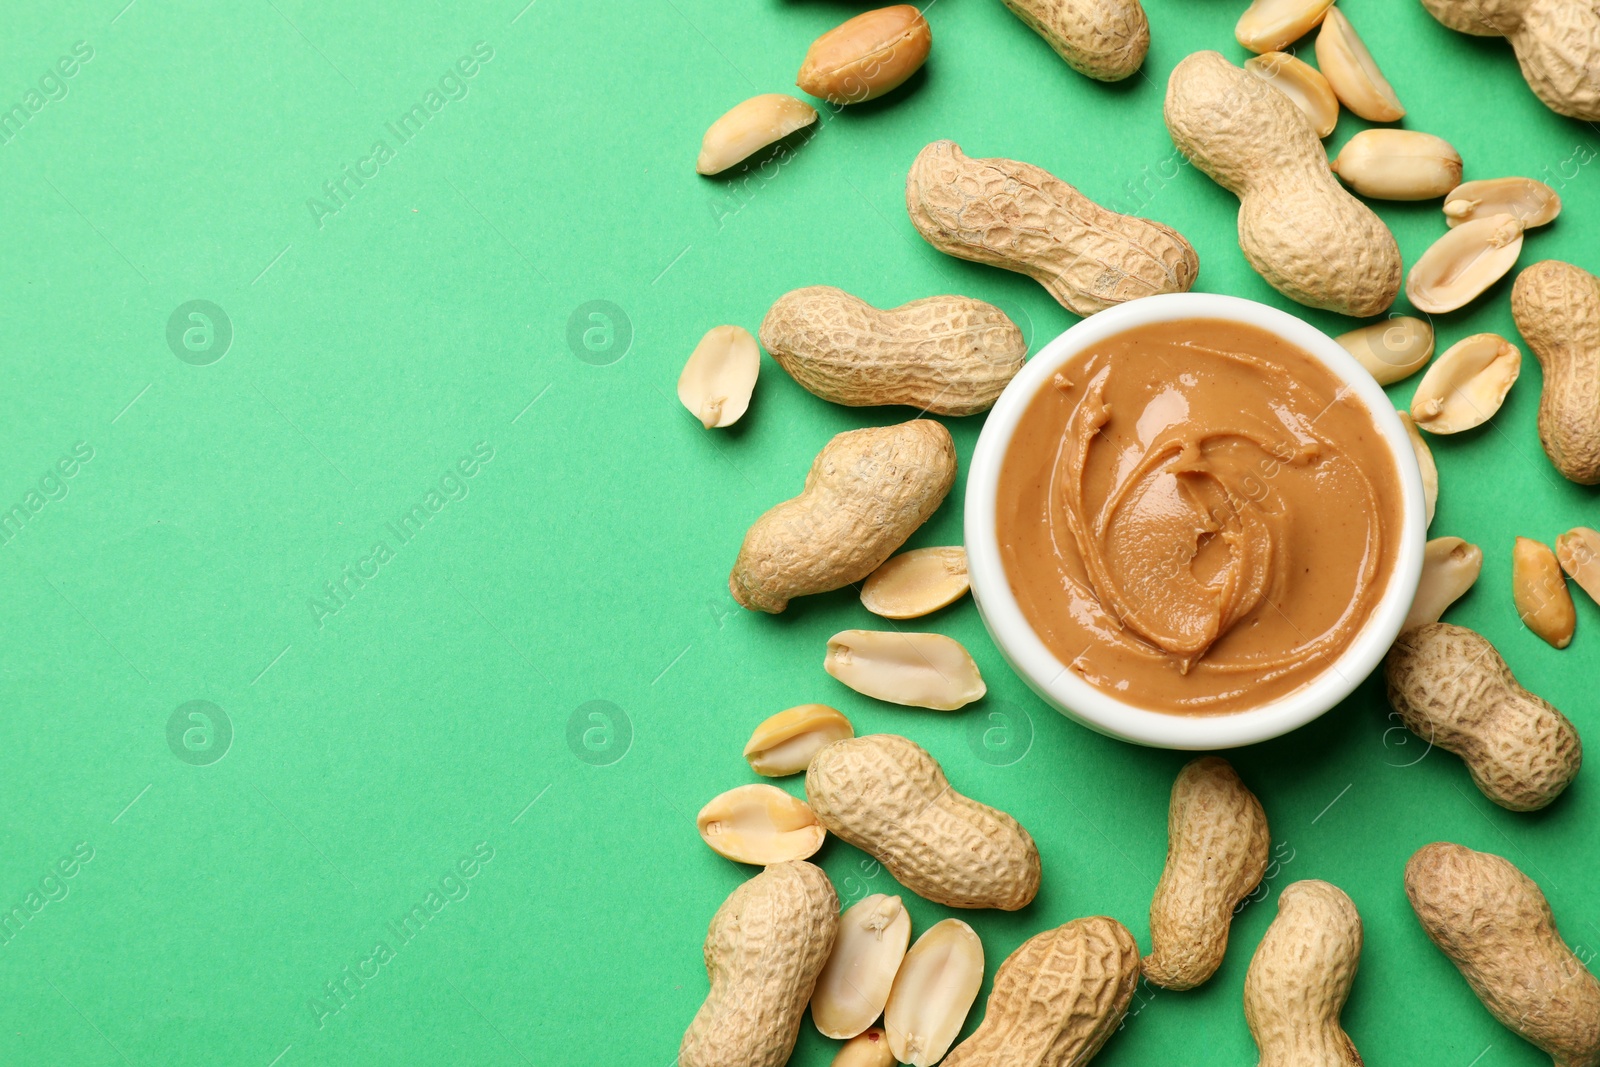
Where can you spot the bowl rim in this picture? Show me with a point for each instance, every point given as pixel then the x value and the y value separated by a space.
pixel 1099 710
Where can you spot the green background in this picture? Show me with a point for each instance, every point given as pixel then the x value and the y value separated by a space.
pixel 447 705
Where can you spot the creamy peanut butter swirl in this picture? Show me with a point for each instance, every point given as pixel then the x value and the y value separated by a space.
pixel 1197 517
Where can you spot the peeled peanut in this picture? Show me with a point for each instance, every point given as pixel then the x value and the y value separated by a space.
pixel 1579 552
pixel 854 986
pixel 867 1049
pixel 764 949
pixel 915 669
pixel 1217 843
pixel 917 583
pixel 865 57
pixel 721 373
pixel 1302 83
pixel 749 127
pixel 948 355
pixel 1532 203
pixel 1351 70
pixel 1450 566
pixel 1272 25
pixel 1493 923
pixel 1464 262
pixel 785 743
pixel 1302 232
pixel 867 491
pixel 1557 309
pixel 1425 465
pixel 1398 165
pixel 759 824
pixel 1300 977
pixel 1467 384
pixel 1557 44
pixel 1104 39
pixel 1023 218
pixel 933 992
pixel 1453 690
pixel 1540 592
pixel 889 798
pixel 1391 350
pixel 1056 999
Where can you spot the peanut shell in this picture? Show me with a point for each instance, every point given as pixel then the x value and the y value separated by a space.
pixel 1217 845
pixel 764 949
pixel 867 491
pixel 888 797
pixel 1452 689
pixel 1495 925
pixel 1056 999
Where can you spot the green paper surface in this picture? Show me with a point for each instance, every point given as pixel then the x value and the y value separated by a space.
pixel 401 385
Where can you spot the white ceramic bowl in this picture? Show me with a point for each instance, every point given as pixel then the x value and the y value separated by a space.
pixel 1098 709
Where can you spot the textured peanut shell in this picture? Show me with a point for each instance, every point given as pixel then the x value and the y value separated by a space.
pixel 949 355
pixel 1557 44
pixel 1104 39
pixel 1454 691
pixel 1300 977
pixel 1217 845
pixel 867 491
pixel 1056 999
pixel 1301 231
pixel 888 797
pixel 1495 925
pixel 1025 219
pixel 1557 309
pixel 764 949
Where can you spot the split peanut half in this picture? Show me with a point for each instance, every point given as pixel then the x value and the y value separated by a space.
pixel 917 583
pixel 1398 165
pixel 1391 350
pixel 918 670
pixel 1579 552
pixel 760 824
pixel 749 127
pixel 1272 25
pixel 785 743
pixel 1351 70
pixel 1450 566
pixel 1464 262
pixel 1531 203
pixel 868 1049
pixel 1543 602
pixel 1302 83
pixel 854 984
pixel 1466 385
pixel 720 375
pixel 1425 464
pixel 938 981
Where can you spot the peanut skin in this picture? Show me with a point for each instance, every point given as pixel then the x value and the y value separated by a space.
pixel 948 355
pixel 1453 690
pixel 1025 219
pixel 889 798
pixel 1104 39
pixel 1300 977
pixel 1557 310
pixel 1056 999
pixel 1495 925
pixel 1301 231
pixel 867 491
pixel 764 949
pixel 1217 845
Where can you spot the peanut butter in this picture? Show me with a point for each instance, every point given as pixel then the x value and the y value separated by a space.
pixel 1197 517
